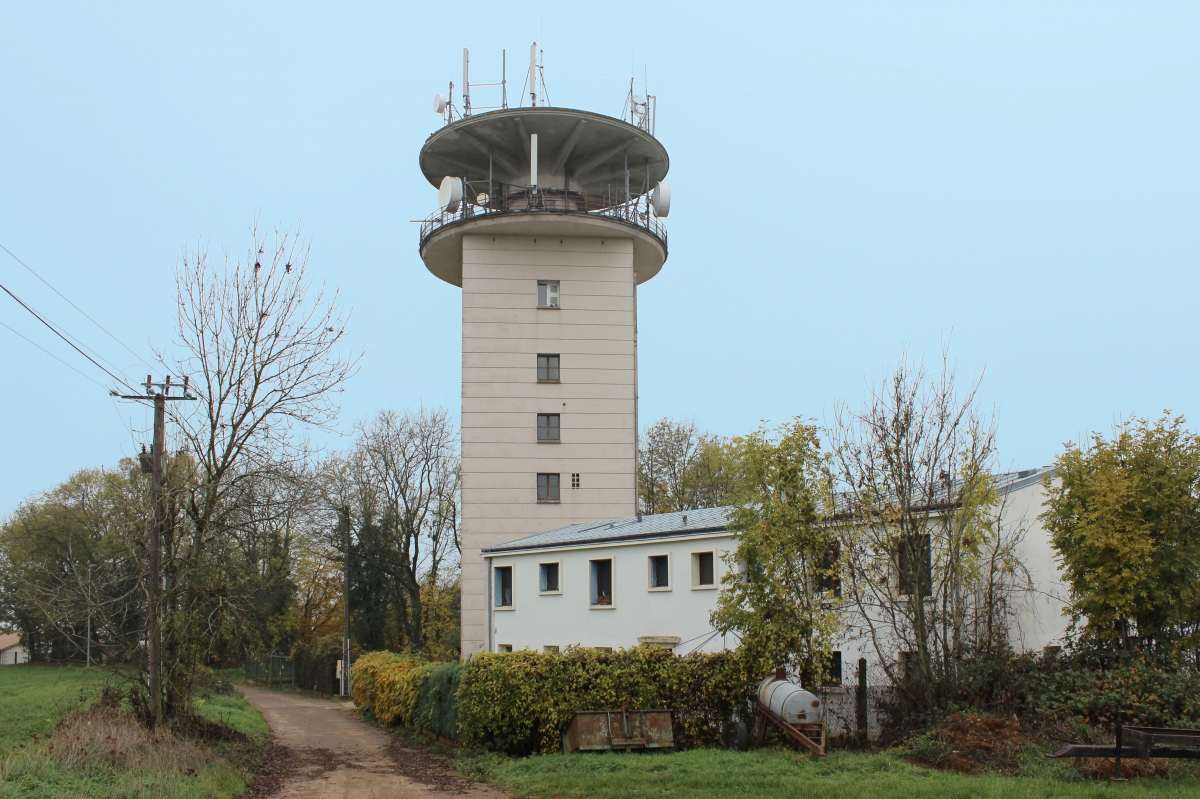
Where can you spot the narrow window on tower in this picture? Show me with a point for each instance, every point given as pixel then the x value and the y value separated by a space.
pixel 547 488
pixel 575 480
pixel 547 369
pixel 547 293
pixel 547 426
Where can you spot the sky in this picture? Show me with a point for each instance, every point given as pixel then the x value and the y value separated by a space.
pixel 850 181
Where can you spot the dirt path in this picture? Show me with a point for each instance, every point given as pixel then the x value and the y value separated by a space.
pixel 321 751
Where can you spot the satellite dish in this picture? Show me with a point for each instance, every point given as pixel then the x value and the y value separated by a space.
pixel 450 194
pixel 661 199
pixel 439 103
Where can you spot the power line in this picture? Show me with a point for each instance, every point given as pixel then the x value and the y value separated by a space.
pixel 73 305
pixel 64 338
pixel 55 357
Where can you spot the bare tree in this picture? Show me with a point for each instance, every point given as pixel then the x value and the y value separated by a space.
pixel 927 566
pixel 681 467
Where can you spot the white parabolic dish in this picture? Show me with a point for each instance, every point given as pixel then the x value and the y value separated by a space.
pixel 450 193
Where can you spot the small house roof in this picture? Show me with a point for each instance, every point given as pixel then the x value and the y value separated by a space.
pixel 651 525
pixel 681 524
pixel 8 641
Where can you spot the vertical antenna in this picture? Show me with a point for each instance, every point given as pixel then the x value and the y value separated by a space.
pixel 533 160
pixel 503 79
pixel 466 85
pixel 533 75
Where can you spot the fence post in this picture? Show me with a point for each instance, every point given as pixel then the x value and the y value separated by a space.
pixel 863 708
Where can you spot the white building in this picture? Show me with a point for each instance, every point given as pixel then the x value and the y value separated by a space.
pixel 621 582
pixel 11 651
pixel 546 223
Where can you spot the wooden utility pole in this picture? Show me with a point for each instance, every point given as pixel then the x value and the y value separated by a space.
pixel 158 524
pixel 344 687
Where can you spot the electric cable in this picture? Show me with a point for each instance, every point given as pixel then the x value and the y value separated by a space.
pixel 64 338
pixel 55 357
pixel 73 305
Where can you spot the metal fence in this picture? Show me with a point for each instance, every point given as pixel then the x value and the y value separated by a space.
pixel 273 671
pixel 637 211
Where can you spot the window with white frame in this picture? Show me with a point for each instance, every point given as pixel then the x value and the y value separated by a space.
pixel 547 293
pixel 601 582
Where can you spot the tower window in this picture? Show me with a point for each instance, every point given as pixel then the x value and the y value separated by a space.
pixel 547 294
pixel 547 488
pixel 575 480
pixel 504 597
pixel 547 426
pixel 547 369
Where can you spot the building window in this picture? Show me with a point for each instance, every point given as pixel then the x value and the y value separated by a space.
pixel 660 569
pixel 547 488
pixel 503 647
pixel 915 558
pixel 547 368
pixel 550 648
pixel 547 426
pixel 602 648
pixel 504 598
pixel 828 579
pixel 548 581
pixel 835 669
pixel 547 293
pixel 704 570
pixel 575 480
pixel 602 594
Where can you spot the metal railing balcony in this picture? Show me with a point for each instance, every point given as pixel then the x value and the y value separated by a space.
pixel 512 200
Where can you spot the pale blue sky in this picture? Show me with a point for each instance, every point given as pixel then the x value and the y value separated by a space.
pixel 848 179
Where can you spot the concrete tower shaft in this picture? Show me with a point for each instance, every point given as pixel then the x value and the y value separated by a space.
pixel 549 231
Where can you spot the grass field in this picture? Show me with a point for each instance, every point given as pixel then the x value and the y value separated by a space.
pixel 104 753
pixel 776 774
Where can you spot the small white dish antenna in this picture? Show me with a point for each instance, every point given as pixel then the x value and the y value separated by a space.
pixel 450 194
pixel 482 198
pixel 661 199
pixel 439 104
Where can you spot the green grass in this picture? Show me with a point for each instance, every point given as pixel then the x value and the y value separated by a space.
pixel 234 711
pixel 33 699
pixel 776 774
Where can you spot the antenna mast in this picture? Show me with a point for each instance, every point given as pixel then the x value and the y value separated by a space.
pixel 466 84
pixel 533 75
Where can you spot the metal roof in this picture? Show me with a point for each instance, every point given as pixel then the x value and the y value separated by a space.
pixel 654 525
pixel 684 523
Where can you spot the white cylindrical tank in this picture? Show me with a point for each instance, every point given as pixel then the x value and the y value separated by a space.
pixel 789 701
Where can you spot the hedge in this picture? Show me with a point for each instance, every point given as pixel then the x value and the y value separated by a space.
pixel 381 682
pixel 520 702
pixel 436 708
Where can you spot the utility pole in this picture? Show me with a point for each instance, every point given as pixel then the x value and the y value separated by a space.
pixel 159 503
pixel 89 595
pixel 344 687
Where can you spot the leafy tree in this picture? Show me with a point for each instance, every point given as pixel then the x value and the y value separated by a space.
pixel 780 593
pixel 1124 516
pixel 682 468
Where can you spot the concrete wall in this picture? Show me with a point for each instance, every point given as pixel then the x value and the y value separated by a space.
pixel 568 618
pixel 595 332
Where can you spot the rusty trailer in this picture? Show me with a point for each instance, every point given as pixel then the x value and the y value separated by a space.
pixel 1139 743
pixel 603 730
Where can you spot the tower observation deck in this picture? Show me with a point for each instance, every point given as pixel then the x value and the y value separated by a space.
pixel 548 219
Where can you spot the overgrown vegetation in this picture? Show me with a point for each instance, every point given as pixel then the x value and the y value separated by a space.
pixel 55 741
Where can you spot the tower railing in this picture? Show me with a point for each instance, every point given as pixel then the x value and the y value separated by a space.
pixel 506 199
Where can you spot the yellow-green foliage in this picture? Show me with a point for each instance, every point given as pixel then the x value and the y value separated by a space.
pixel 382 682
pixel 520 702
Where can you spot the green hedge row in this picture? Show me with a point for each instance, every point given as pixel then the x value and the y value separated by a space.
pixel 520 702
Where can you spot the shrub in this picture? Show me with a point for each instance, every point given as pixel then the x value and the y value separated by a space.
pixel 382 684
pixel 521 702
pixel 436 707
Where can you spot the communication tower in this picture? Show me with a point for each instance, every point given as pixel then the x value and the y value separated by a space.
pixel 548 219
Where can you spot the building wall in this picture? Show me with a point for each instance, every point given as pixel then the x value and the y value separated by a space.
pixel 14 655
pixel 1041 620
pixel 568 618
pixel 595 332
